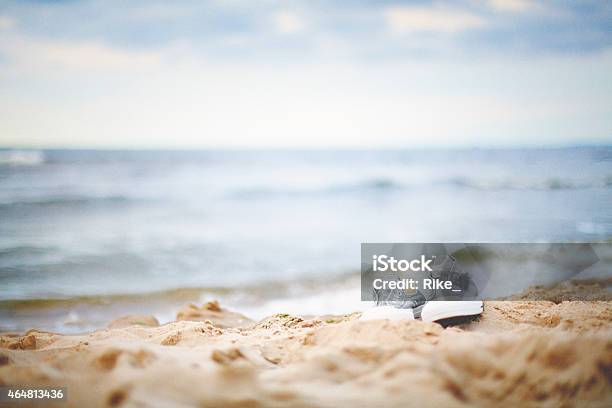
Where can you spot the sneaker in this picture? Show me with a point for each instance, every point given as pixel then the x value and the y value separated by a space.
pixel 430 305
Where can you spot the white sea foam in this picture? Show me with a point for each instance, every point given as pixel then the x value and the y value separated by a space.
pixel 22 157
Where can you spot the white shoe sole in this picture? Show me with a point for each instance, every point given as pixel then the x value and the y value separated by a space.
pixel 439 310
pixel 387 313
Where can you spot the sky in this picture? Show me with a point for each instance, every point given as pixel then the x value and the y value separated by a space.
pixel 305 74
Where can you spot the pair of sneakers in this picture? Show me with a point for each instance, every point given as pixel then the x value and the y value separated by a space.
pixel 432 305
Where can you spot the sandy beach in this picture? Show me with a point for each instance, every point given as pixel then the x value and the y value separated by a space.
pixel 201 203
pixel 528 353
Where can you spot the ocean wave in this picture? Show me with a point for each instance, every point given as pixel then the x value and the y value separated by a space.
pixel 23 250
pixel 383 185
pixel 250 292
pixel 66 200
pixel 21 157
pixel 554 183
pixel 57 302
pixel 379 184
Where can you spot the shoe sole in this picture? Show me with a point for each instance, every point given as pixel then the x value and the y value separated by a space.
pixel 387 313
pixel 440 310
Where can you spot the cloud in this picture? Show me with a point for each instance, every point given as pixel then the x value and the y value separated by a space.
pixel 407 19
pixel 513 5
pixel 287 22
pixel 24 53
pixel 6 23
pixel 163 11
pixel 225 75
pixel 211 105
pixel 305 30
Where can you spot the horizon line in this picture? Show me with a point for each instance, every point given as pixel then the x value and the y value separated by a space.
pixel 306 148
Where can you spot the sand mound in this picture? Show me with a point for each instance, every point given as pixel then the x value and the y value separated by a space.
pixel 558 370
pixel 138 320
pixel 577 289
pixel 518 353
pixel 212 312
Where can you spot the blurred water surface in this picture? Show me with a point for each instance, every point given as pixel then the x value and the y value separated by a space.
pixel 115 225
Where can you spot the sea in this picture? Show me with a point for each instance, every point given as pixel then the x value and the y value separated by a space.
pixel 89 235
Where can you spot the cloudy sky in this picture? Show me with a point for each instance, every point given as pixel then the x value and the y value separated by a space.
pixel 320 74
